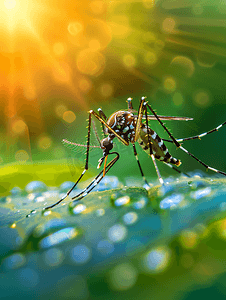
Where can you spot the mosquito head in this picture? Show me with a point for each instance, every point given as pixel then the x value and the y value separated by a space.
pixel 106 145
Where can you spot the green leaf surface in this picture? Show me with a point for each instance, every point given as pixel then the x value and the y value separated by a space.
pixel 127 242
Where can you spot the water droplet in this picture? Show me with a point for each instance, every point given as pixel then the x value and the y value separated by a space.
pixel 14 261
pixel 107 183
pixel 200 193
pixel 117 233
pixel 80 254
pixel 77 209
pixel 51 233
pixel 171 201
pixel 100 212
pixel 39 199
pixel 130 218
pixel 35 186
pixel 46 213
pixel 122 201
pixel 141 203
pixel 13 225
pixel 53 257
pixel 123 277
pixel 16 191
pixel 105 247
pixel 66 186
pixel 157 259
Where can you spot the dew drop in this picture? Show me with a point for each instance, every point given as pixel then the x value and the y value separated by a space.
pixel 80 254
pixel 100 212
pixel 157 259
pixel 123 277
pixel 200 193
pixel 107 183
pixel 105 247
pixel 77 209
pixel 16 191
pixel 141 203
pixel 122 201
pixel 53 257
pixel 14 261
pixel 35 186
pixel 117 233
pixel 52 233
pixel 130 218
pixel 171 201
pixel 66 186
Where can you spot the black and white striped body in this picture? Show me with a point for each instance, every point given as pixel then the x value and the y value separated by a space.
pixel 124 124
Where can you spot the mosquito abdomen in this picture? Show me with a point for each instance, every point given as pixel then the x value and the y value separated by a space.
pixel 159 149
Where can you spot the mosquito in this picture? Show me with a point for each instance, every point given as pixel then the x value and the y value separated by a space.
pixel 128 127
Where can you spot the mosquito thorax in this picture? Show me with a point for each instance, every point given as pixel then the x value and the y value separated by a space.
pixel 123 123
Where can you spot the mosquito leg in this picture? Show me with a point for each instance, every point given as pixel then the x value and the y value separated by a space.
pixel 103 116
pixel 139 165
pixel 85 169
pixel 96 180
pixel 175 169
pixel 129 102
pixel 197 136
pixel 182 148
pixel 150 146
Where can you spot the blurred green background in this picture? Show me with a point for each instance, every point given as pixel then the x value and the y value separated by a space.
pixel 60 60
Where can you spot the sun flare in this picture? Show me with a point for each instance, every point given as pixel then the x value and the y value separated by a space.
pixel 10 4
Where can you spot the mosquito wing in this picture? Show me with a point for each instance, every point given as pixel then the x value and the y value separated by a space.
pixel 166 118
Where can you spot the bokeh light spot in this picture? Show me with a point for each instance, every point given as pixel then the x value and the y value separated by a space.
pixel 18 126
pixel 74 28
pixel 21 156
pixel 85 85
pixel 59 49
pixel 178 99
pixel 99 33
pixel 170 84
pixel 97 7
pixel 189 239
pixel 201 98
pixel 10 4
pixel 129 60
pixel 150 58
pixel 90 62
pixel 69 116
pixel 149 3
pixel 106 89
pixel 168 25
pixel 183 65
pixel 44 142
pixel 123 277
pixel 60 109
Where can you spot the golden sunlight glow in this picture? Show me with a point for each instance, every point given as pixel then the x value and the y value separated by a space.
pixel 10 4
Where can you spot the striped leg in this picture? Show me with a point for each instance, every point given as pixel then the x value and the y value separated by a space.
pixel 197 136
pixel 102 116
pixel 176 143
pixel 150 147
pixel 139 165
pixel 96 180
